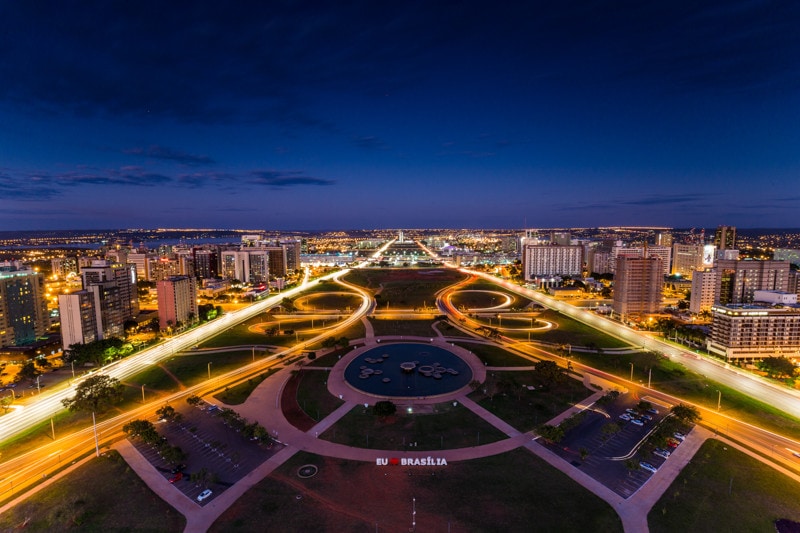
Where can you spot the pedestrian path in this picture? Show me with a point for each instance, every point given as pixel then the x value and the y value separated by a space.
pixel 264 406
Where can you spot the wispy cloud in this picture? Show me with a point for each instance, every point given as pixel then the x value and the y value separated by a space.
pixel 281 179
pixel 170 154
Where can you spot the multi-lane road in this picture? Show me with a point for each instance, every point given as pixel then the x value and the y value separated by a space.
pixel 780 448
pixel 21 472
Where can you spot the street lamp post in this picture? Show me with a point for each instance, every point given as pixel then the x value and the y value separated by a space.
pixel 631 371
pixel 719 400
pixel 209 370
pixel 96 442
pixel 142 393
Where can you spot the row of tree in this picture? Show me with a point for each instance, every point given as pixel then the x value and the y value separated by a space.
pixel 145 431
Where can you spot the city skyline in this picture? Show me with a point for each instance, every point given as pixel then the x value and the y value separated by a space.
pixel 313 117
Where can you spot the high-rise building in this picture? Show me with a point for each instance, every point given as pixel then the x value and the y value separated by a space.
pixel 561 238
pixel 746 331
pixel 663 238
pixel 277 261
pixel 292 247
pixel 177 301
pixel 725 238
pixel 206 263
pixel 686 258
pixel 116 299
pixel 738 279
pixel 142 262
pixel 78 318
pixel 64 266
pixel 545 261
pixel 163 267
pixel 250 265
pixel 23 307
pixel 704 290
pixel 662 252
pixel 787 254
pixel 638 283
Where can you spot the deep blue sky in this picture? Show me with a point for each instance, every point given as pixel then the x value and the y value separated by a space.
pixel 295 115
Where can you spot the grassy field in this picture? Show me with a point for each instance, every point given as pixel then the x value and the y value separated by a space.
pixel 313 396
pixel 494 355
pixel 104 495
pixel 508 397
pixel 416 328
pixel 571 331
pixel 238 395
pixel 447 427
pixel 722 489
pixel 511 492
pixel 404 288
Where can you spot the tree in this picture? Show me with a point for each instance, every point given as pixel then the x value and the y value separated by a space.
pixel 174 455
pixel 686 413
pixel 777 367
pixel 609 430
pixel 549 372
pixel 169 414
pixel 551 433
pixel 95 394
pixel 194 400
pixel 134 428
pixel 5 402
pixel 28 371
pixel 384 408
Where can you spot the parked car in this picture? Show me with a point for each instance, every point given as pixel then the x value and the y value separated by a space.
pixel 653 411
pixel 177 477
pixel 637 422
pixel 625 416
pixel 660 452
pixel 646 417
pixel 203 495
pixel 648 467
pixel 672 443
pixel 680 436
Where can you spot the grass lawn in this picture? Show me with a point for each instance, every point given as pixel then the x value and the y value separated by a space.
pixel 511 492
pixel 103 495
pixel 322 301
pixel 416 328
pixel 494 355
pixel 238 395
pixel 572 332
pixel 447 427
pixel 508 397
pixel 404 288
pixel 725 490
pixel 192 368
pixel 313 396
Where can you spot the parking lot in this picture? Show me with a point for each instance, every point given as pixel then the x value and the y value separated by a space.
pixel 613 457
pixel 226 455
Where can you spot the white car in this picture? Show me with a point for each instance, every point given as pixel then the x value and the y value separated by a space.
pixel 680 436
pixel 661 453
pixel 625 416
pixel 203 495
pixel 648 467
pixel 637 422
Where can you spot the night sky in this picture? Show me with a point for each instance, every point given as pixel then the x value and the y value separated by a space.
pixel 387 114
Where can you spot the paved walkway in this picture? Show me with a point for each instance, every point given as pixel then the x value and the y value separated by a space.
pixel 263 406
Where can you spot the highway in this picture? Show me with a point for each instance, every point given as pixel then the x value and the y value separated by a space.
pixel 779 448
pixel 24 471
pixel 786 400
